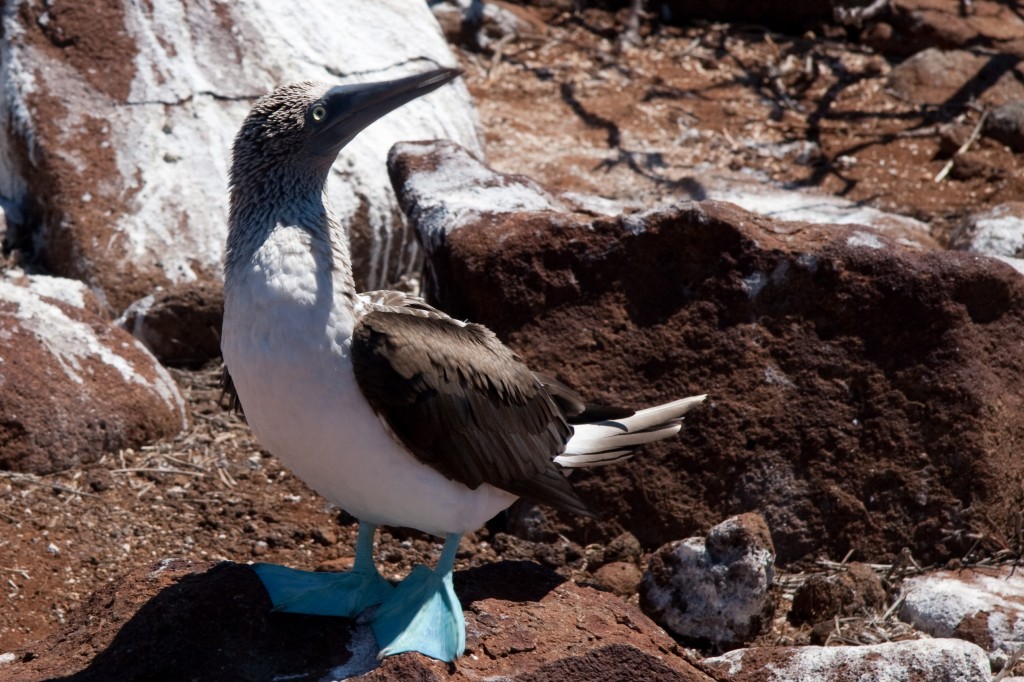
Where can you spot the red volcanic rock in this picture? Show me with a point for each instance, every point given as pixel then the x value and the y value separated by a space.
pixel 861 395
pixel 853 591
pixel 180 620
pixel 73 385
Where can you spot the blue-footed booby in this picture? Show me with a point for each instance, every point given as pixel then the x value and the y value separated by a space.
pixel 386 406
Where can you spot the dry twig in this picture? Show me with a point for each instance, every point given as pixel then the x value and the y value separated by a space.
pixel 975 134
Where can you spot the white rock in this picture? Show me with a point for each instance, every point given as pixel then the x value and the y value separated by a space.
pixel 714 590
pixel 127 140
pixel 998 231
pixel 931 660
pixel 985 605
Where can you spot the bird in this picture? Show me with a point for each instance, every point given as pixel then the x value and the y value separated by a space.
pixel 383 404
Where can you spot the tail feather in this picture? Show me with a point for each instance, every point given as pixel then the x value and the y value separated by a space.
pixel 608 441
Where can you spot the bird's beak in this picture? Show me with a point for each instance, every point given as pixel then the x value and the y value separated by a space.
pixel 350 108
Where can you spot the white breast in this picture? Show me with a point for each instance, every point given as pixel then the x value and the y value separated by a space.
pixel 285 342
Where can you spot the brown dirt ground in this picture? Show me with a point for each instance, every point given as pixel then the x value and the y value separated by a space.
pixel 571 110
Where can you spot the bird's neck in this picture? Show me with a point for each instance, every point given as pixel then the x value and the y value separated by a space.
pixel 255 216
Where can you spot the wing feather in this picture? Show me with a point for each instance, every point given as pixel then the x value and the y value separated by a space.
pixel 463 403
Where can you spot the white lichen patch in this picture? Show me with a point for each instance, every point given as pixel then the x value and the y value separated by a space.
pixel 791 205
pixel 460 188
pixel 865 239
pixel 69 291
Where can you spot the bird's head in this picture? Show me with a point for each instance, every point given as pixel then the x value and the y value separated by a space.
pixel 301 127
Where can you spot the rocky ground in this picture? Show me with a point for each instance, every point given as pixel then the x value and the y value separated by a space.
pixel 678 112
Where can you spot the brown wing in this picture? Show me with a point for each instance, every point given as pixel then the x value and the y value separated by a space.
pixel 464 404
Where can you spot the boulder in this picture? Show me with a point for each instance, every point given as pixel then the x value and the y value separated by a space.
pixel 180 324
pixel 121 119
pixel 863 395
pixel 981 605
pixel 714 592
pixel 922 660
pixel 74 386
pixel 182 620
pixel 935 76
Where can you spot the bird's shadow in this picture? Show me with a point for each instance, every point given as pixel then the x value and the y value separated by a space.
pixel 219 624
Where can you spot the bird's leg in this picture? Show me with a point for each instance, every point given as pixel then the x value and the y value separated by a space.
pixel 423 614
pixel 328 594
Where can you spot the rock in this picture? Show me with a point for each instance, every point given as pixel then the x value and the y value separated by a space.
pixel 863 395
pixel 971 165
pixel 922 660
pixel 1006 124
pixel 942 77
pixel 618 577
pixel 122 119
pixel 999 231
pixel 716 591
pixel 623 548
pixel 824 209
pixel 181 620
pixel 180 324
pixel 981 605
pixel 853 591
pixel 74 385
pixel 469 186
pixel 909 26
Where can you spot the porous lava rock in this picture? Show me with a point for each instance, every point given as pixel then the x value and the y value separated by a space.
pixel 714 591
pixel 862 395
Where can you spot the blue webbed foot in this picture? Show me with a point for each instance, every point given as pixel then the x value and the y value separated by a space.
pixel 329 594
pixel 423 614
pixel 323 594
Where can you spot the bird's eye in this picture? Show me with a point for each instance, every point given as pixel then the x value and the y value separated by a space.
pixel 319 112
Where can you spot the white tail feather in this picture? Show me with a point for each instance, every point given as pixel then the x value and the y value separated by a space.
pixel 614 440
